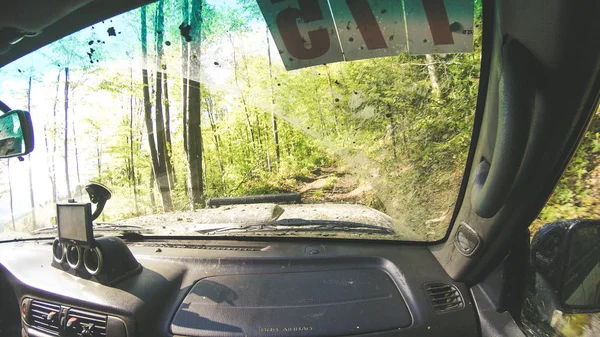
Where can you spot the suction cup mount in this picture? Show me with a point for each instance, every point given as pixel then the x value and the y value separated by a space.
pixel 99 195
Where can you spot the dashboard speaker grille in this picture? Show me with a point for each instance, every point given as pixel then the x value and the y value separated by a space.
pixel 45 316
pixel 95 323
pixel 444 297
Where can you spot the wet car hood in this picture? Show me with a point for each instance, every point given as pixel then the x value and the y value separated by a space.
pixel 204 221
pixel 254 214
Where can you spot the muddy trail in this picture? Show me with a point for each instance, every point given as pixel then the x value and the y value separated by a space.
pixel 331 185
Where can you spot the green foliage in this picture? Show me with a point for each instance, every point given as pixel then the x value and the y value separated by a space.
pixel 380 121
pixel 576 194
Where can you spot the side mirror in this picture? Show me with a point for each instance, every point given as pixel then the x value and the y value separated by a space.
pixel 565 265
pixel 16 134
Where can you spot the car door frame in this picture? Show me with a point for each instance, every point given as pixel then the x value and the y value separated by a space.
pixel 522 139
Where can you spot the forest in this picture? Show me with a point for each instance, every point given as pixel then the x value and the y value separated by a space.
pixel 180 101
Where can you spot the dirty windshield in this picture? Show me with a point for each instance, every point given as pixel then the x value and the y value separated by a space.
pixel 272 118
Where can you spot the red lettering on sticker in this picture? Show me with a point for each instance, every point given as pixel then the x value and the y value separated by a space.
pixel 290 33
pixel 438 21
pixel 367 24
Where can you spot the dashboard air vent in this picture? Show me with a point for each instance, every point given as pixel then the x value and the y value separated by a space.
pixel 81 322
pixel 444 297
pixel 44 316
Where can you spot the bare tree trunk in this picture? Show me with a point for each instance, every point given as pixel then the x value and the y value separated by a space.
pixel 99 157
pixel 10 196
pixel 195 145
pixel 235 72
pixel 211 118
pixel 160 175
pixel 435 87
pixel 151 186
pixel 51 154
pixel 31 198
pixel 333 105
pixel 195 169
pixel 185 73
pixel 259 138
pixel 273 117
pixel 131 142
pixel 318 98
pixel 66 132
pixel 80 192
pixel 169 152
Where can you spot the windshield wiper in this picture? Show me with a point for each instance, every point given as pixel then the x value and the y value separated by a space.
pixel 4 107
pixel 298 225
pixel 100 227
pixel 110 226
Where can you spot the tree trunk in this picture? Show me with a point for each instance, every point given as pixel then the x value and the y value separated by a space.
pixel 195 145
pixel 50 155
pixel 435 87
pixel 162 177
pixel 66 140
pixel 151 186
pixel 318 98
pixel 273 117
pixel 259 138
pixel 10 196
pixel 170 170
pixel 211 118
pixel 185 72
pixel 160 174
pixel 131 144
pixel 31 198
pixel 237 84
pixel 194 105
pixel 99 157
pixel 333 105
pixel 80 192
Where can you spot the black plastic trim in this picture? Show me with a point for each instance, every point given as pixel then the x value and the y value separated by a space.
pixel 492 322
pixel 487 39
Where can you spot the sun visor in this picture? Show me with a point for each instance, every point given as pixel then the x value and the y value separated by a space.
pixel 33 15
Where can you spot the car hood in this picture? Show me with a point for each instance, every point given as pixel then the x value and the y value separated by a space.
pixel 254 214
pixel 205 220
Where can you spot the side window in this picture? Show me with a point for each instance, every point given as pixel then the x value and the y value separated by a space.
pixel 578 192
pixel 577 196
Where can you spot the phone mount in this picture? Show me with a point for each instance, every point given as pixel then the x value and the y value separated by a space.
pixel 99 195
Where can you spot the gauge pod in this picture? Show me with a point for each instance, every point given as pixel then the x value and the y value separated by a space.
pixel 92 260
pixel 107 262
pixel 73 256
pixel 58 251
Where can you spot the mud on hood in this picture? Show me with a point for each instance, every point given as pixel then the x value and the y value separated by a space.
pixel 254 214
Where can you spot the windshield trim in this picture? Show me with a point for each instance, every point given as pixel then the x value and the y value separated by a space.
pixel 487 39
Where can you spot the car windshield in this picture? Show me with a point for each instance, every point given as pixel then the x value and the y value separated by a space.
pixel 354 121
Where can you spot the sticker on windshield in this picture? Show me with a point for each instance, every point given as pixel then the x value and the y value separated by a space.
pixel 312 32
pixel 369 29
pixel 439 26
pixel 303 31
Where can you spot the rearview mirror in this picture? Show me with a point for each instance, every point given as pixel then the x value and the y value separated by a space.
pixel 565 259
pixel 16 134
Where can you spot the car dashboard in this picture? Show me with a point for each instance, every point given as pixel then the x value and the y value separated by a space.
pixel 238 288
